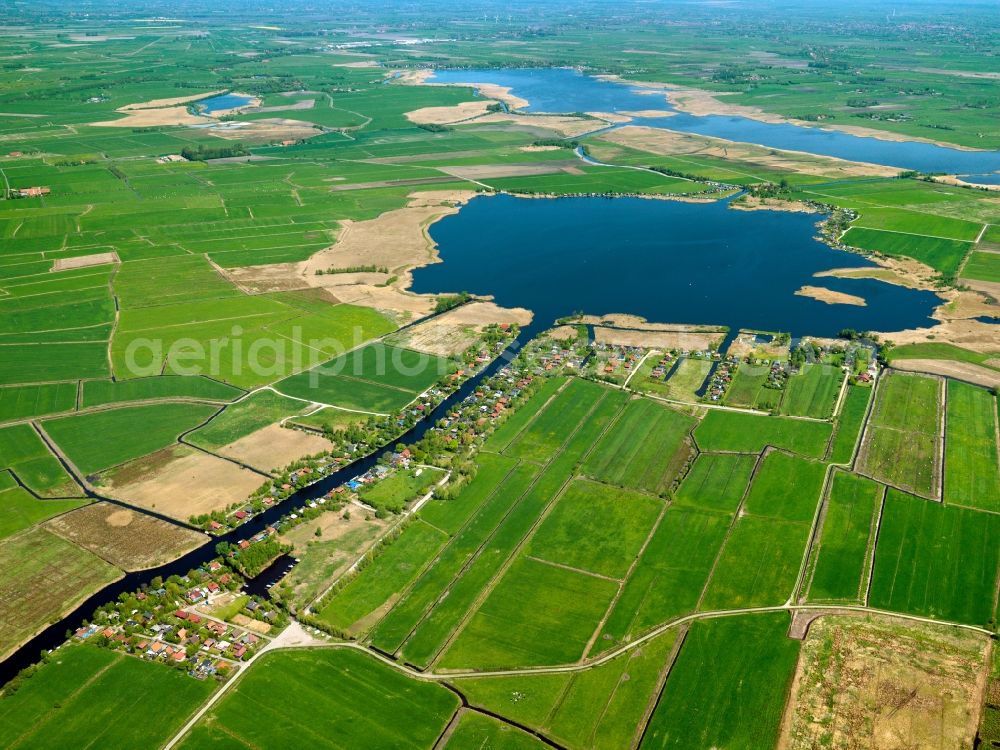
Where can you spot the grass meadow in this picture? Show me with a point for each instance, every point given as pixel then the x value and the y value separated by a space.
pixel 716 481
pixel 936 560
pixel 644 450
pixel 312 714
pixel 902 443
pixel 752 660
pixel 126 433
pixel 92 697
pixel 971 469
pixel 813 392
pixel 846 540
pixel 722 431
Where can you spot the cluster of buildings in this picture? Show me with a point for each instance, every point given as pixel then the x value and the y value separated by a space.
pixel 721 378
pixel 161 625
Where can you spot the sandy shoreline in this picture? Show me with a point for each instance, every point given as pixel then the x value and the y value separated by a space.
pixel 830 297
pixel 701 102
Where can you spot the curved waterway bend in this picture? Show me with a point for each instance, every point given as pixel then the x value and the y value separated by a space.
pixel 564 90
pixel 667 261
pixel 55 634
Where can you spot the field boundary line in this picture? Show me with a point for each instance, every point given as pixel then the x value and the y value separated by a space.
pixel 628 575
pixel 661 683
pixel 737 513
pixel 529 534
pixel 868 574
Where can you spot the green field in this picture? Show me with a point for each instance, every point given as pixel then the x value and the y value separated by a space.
pixel 936 561
pixel 849 423
pixel 20 402
pixel 670 576
pixel 311 714
pixel 446 584
pixel 983 266
pixel 902 443
pixel 397 564
pixel 552 427
pixel 98 392
pixel 126 433
pixel 752 660
pixel 89 697
pixel 644 450
pixel 598 708
pixel 716 481
pixel 844 548
pixel 759 564
pixel 971 469
pixel 375 378
pixel 942 254
pixel 475 731
pixel 24 453
pixel 19 510
pixel 786 488
pixel 396 490
pixel 246 416
pixel 595 528
pixel 813 392
pixel 537 614
pixel 748 433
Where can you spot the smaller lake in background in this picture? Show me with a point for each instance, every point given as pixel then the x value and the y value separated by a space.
pixel 221 102
pixel 980 179
pixel 565 90
pixel 668 261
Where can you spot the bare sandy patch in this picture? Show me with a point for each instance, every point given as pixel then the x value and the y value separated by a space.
pixel 396 239
pixel 702 102
pixel 274 446
pixel 405 306
pixel 563 333
pixel 627 320
pixel 534 149
pixel 125 538
pixel 487 171
pixel 967 371
pixel 84 261
pixel 885 685
pixel 562 124
pixel 745 344
pixel 149 118
pixel 251 624
pixel 649 113
pixel 902 271
pixel 358 64
pixel 670 143
pixel 830 297
pixel 755 203
pixel 172 102
pixel 457 330
pixel 266 130
pixel 448 115
pixel 181 482
pixel 613 117
pixel 665 340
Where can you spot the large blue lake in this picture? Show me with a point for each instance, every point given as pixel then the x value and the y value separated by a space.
pixel 667 261
pixel 566 90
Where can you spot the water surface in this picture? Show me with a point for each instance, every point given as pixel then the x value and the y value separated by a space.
pixel 222 102
pixel 565 90
pixel 667 261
